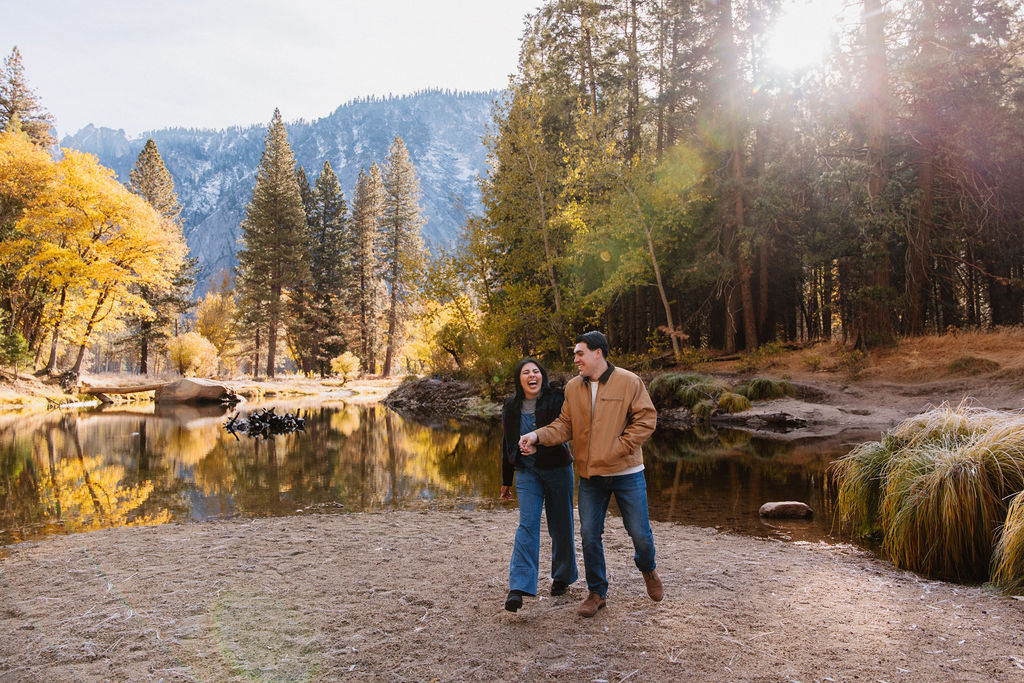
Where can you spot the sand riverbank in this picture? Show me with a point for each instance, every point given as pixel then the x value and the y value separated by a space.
pixel 418 595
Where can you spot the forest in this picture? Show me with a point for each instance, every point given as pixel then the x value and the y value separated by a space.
pixel 657 171
pixel 657 174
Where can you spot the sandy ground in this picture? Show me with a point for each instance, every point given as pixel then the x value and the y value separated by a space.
pixel 417 596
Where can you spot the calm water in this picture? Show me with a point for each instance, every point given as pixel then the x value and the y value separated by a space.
pixel 85 470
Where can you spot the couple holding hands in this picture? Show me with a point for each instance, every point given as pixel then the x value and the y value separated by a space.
pixel 607 414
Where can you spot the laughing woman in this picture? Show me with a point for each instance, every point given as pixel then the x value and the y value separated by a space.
pixel 542 479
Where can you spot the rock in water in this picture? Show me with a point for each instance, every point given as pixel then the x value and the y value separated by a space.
pixel 786 508
pixel 195 390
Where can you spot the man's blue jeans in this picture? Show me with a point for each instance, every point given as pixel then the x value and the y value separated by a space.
pixel 552 490
pixel 631 495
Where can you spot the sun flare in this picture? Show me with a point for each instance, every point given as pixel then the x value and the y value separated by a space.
pixel 800 38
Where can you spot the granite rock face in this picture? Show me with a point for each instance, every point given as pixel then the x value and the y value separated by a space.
pixel 214 170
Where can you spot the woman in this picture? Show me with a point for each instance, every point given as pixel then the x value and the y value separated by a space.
pixel 542 479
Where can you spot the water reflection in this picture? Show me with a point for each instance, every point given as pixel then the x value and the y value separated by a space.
pixel 80 471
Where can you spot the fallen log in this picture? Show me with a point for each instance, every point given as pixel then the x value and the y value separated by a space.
pixel 86 389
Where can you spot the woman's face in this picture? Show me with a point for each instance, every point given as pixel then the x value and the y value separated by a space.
pixel 530 379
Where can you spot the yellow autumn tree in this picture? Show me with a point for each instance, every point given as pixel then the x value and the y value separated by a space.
pixel 215 320
pixel 192 354
pixel 89 243
pixel 26 173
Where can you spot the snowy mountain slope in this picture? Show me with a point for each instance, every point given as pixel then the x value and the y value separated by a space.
pixel 214 171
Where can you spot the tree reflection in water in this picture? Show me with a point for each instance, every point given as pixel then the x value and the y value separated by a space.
pixel 129 466
pixel 151 464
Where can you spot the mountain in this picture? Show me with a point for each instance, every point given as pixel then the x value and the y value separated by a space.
pixel 214 170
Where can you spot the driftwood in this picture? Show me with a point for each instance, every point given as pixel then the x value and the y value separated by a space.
pixel 265 423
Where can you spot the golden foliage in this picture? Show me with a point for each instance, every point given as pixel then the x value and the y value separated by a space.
pixel 80 232
pixel 86 494
pixel 192 353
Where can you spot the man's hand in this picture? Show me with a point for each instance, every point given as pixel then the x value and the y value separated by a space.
pixel 506 493
pixel 527 443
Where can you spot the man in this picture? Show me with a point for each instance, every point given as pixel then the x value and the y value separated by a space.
pixel 608 414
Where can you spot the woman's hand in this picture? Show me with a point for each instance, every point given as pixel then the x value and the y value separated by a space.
pixel 506 493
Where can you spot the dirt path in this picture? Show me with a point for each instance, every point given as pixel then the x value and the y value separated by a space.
pixel 417 596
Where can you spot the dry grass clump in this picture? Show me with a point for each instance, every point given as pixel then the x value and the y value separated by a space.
pixel 972 365
pixel 1008 556
pixel 763 388
pixel 702 394
pixel 936 489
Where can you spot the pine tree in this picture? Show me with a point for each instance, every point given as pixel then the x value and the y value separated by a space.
pixel 151 180
pixel 402 251
pixel 318 306
pixel 330 265
pixel 20 107
pixel 301 326
pixel 274 233
pixel 367 213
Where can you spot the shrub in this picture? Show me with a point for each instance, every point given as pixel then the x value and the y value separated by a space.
pixel 852 362
pixel 762 356
pixel 14 350
pixel 935 488
pixel 192 353
pixel 346 366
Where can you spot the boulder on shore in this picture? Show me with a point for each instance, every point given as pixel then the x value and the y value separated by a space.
pixel 791 509
pixel 195 390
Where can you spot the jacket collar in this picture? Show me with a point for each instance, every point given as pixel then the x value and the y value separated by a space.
pixel 603 379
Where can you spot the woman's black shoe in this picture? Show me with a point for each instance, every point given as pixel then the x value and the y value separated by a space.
pixel 514 600
pixel 558 588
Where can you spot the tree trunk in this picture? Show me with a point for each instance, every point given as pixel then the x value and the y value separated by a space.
pixel 389 353
pixel 51 364
pixel 272 323
pixel 874 325
pixel 93 319
pixel 144 333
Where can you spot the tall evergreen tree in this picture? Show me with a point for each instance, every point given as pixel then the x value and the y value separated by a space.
pixel 274 233
pixel 20 107
pixel 151 180
pixel 367 213
pixel 323 313
pixel 402 251
pixel 300 325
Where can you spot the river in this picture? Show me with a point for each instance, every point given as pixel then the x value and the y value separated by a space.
pixel 74 471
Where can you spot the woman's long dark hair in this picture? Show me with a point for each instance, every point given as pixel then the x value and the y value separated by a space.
pixel 520 395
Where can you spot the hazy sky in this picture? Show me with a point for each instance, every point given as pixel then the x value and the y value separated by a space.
pixel 142 65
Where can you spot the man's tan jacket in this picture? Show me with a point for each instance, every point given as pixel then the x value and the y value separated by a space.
pixel 607 440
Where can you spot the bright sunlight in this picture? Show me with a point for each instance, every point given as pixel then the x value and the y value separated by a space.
pixel 801 36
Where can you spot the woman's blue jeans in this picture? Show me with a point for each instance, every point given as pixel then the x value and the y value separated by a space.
pixel 552 491
pixel 631 495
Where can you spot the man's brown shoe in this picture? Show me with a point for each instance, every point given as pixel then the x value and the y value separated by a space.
pixel 589 607
pixel 654 587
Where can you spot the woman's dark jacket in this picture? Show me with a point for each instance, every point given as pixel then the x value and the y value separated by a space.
pixel 549 405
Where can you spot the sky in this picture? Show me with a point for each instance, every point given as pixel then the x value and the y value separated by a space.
pixel 141 65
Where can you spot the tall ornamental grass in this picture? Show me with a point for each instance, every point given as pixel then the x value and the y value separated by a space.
pixel 936 489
